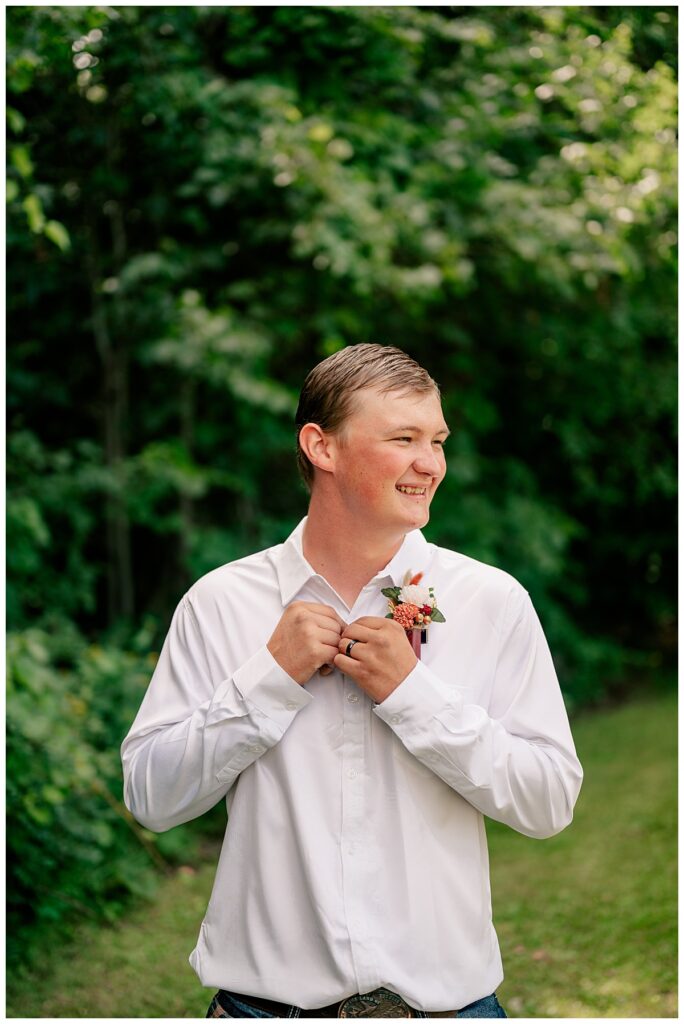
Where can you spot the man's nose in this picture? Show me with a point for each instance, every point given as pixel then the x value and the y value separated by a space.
pixel 429 461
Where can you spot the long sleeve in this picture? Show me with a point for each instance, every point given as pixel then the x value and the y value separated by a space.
pixel 513 760
pixel 191 737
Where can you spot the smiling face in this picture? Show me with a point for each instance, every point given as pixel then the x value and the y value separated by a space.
pixel 389 459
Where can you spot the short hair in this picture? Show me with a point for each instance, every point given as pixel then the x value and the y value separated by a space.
pixel 327 395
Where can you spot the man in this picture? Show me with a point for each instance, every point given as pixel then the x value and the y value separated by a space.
pixel 353 879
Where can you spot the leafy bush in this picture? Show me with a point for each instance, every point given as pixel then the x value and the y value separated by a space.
pixel 72 847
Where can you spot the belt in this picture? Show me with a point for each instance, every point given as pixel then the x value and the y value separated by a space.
pixel 378 1003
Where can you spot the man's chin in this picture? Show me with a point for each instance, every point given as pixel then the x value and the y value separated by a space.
pixel 420 520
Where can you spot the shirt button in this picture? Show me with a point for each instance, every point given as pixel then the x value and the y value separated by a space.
pixel 291 705
pixel 352 773
pixel 395 718
pixel 256 748
pixel 352 698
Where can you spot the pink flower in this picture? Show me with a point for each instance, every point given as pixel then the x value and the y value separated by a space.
pixel 405 614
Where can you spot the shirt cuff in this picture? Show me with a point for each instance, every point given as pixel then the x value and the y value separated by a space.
pixel 417 700
pixel 262 683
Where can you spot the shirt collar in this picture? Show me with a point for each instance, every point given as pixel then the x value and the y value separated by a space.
pixel 293 570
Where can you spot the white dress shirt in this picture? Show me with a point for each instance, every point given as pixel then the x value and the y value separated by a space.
pixel 355 853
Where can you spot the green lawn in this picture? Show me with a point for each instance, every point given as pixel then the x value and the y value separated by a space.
pixel 587 920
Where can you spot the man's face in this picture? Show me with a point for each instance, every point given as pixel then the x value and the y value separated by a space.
pixel 390 460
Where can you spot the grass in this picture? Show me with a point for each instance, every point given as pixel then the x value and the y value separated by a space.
pixel 137 967
pixel 586 920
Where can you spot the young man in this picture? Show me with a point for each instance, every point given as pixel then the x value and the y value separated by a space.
pixel 353 879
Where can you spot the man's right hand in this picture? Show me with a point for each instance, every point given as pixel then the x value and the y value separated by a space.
pixel 306 639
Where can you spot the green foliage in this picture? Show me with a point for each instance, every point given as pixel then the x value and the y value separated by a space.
pixel 202 202
pixel 51 514
pixel 72 846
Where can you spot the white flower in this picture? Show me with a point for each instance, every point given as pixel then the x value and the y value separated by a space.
pixel 416 595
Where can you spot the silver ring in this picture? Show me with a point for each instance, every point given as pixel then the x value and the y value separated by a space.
pixel 349 647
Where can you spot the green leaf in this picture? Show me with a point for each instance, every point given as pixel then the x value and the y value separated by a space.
pixel 58 234
pixel 34 213
pixel 391 592
pixel 15 120
pixel 436 615
pixel 20 159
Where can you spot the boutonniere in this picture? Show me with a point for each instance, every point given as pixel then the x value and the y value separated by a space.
pixel 414 608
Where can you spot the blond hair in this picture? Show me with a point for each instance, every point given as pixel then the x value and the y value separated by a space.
pixel 328 392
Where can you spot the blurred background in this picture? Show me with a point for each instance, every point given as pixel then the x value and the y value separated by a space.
pixel 203 202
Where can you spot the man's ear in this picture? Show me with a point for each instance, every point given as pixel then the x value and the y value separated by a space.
pixel 317 447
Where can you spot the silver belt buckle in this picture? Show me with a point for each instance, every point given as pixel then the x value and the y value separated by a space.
pixel 378 1003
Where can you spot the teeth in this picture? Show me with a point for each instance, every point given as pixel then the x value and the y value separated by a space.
pixel 410 490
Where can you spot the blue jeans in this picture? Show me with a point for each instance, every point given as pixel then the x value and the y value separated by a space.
pixel 230 1007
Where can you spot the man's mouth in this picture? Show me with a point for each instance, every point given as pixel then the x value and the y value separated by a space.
pixel 405 489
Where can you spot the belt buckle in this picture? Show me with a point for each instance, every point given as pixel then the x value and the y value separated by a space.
pixel 378 1003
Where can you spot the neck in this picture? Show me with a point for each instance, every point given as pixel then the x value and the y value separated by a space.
pixel 344 551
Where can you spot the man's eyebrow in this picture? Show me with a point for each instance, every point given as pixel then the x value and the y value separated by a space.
pixel 418 430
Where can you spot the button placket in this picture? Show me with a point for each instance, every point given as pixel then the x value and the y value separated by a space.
pixel 357 842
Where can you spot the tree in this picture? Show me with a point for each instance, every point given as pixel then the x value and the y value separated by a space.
pixel 205 201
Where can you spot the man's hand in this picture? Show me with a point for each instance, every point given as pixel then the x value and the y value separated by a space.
pixel 381 659
pixel 306 639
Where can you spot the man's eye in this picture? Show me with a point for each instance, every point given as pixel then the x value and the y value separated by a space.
pixel 403 439
pixel 440 443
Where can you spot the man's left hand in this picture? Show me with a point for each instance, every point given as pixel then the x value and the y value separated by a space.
pixel 380 660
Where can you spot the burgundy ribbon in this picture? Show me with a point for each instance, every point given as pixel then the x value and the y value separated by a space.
pixel 415 638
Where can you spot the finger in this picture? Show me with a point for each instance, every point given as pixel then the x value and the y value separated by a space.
pixel 329 617
pixel 325 609
pixel 346 665
pixel 320 609
pixel 328 653
pixel 328 636
pixel 324 622
pixel 326 669
pixel 355 631
pixel 370 621
pixel 357 652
